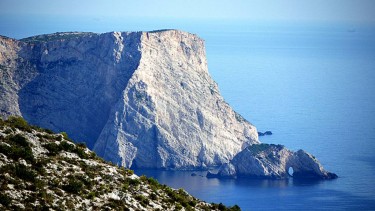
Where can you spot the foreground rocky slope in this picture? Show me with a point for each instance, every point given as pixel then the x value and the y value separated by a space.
pixel 273 161
pixel 40 170
pixel 141 99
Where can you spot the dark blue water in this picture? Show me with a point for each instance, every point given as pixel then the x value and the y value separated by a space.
pixel 314 88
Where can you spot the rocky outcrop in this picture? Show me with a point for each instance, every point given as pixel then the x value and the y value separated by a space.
pixel 265 133
pixel 141 99
pixel 273 162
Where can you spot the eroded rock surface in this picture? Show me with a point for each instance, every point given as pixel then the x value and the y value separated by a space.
pixel 273 162
pixel 140 99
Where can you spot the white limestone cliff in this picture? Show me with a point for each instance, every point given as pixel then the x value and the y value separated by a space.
pixel 171 114
pixel 142 99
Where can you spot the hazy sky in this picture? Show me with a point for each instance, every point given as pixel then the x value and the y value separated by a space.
pixel 268 10
pixel 25 17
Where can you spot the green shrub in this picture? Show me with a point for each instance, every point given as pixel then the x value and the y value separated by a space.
pixel 86 181
pixel 116 205
pixel 127 172
pixel 19 140
pixel 25 173
pixel 65 135
pixel 18 122
pixel 19 148
pixel 81 145
pixel 125 187
pixel 39 165
pixel 178 207
pixel 222 207
pixel 143 178
pixel 4 149
pixel 142 200
pixel 49 136
pixel 81 153
pixel 257 148
pixel 5 200
pixel 154 184
pixel 48 131
pixel 20 171
pixel 133 182
pixel 73 186
pixel 53 148
pixel 8 131
pixel 91 195
pixel 235 208
pixel 64 145
pixel 153 196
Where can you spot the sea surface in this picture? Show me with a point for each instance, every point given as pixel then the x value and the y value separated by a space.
pixel 313 86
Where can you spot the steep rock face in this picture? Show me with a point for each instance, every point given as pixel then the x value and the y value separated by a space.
pixel 15 72
pixel 67 81
pixel 78 82
pixel 187 124
pixel 273 161
pixel 138 99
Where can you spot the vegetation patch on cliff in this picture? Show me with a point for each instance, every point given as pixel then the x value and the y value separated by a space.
pixel 258 148
pixel 56 36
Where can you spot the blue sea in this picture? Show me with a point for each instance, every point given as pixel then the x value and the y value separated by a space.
pixel 313 86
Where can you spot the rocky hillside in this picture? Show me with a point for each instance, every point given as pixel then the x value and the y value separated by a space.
pixel 40 170
pixel 140 99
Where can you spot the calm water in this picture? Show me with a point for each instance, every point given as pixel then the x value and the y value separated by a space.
pixel 314 88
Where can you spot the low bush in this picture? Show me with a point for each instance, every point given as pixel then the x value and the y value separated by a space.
pixel 19 140
pixel 73 186
pixel 142 200
pixel 53 148
pixel 65 135
pixel 18 122
pixel 116 205
pixel 64 145
pixel 5 200
pixel 25 173
pixel 81 152
pixel 19 148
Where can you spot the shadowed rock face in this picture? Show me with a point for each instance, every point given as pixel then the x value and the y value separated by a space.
pixel 79 80
pixel 141 99
pixel 273 162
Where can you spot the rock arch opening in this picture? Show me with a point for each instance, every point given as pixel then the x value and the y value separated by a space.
pixel 290 171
